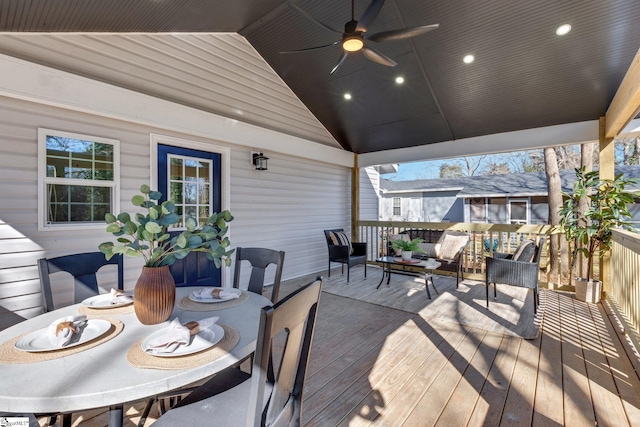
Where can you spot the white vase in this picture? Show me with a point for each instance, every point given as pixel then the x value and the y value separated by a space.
pixel 588 290
pixel 406 255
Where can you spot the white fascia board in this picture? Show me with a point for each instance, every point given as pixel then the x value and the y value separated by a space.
pixel 529 139
pixel 36 83
pixel 511 195
pixel 423 190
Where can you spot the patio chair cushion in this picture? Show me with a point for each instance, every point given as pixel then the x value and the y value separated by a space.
pixel 340 238
pixel 451 243
pixel 525 251
pixel 431 250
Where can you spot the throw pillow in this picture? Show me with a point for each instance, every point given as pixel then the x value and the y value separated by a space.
pixel 432 250
pixel 451 243
pixel 340 238
pixel 525 251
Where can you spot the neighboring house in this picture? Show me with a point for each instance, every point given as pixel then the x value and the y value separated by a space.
pixel 501 199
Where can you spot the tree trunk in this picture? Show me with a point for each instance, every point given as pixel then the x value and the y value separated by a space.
pixel 554 187
pixel 586 161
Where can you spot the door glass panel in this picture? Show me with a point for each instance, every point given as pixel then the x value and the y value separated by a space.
pixel 189 184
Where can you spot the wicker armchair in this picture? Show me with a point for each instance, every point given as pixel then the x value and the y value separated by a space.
pixel 343 255
pixel 509 270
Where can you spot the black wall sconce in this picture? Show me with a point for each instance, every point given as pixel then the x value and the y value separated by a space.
pixel 259 160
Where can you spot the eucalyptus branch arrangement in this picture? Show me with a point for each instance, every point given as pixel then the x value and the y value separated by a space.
pixel 148 235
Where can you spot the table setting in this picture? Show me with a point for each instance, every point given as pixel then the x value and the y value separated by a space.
pixel 212 298
pixel 129 360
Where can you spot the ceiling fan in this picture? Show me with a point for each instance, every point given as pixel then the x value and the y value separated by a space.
pixel 355 35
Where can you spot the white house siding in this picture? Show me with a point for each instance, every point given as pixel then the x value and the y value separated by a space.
pixel 284 208
pixel 369 194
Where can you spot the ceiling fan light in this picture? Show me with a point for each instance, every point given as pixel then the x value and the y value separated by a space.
pixel 352 43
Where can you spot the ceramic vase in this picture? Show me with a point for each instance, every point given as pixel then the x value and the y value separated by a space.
pixel 406 255
pixel 155 295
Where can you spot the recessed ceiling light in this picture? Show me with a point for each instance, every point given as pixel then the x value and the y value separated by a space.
pixel 399 80
pixel 563 29
pixel 347 96
pixel 468 59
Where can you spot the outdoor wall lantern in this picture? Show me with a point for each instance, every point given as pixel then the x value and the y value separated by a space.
pixel 259 160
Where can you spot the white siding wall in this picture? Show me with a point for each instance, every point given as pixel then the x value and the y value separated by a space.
pixel 369 194
pixel 284 208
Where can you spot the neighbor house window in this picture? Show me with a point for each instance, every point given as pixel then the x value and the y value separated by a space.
pixel 397 211
pixel 79 177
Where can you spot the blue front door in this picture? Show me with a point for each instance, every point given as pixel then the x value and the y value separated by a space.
pixel 191 180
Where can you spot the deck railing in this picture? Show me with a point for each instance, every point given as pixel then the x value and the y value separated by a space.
pixel 484 240
pixel 624 289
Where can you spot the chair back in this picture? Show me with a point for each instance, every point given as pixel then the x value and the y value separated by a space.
pixel 281 373
pixel 83 267
pixel 260 259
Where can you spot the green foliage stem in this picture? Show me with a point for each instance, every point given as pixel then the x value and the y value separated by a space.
pixel 590 231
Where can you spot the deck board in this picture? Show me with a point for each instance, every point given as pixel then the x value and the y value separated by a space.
pixel 373 365
pixel 549 410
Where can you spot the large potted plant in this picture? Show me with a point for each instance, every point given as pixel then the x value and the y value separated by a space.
pixel 147 235
pixel 590 230
pixel 407 247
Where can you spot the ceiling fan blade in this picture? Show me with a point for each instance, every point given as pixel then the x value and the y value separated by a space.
pixel 405 33
pixel 340 61
pixel 369 14
pixel 312 19
pixel 312 48
pixel 378 57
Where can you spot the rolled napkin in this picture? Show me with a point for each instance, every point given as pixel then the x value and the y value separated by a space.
pixel 215 293
pixel 120 297
pixel 62 330
pixel 177 335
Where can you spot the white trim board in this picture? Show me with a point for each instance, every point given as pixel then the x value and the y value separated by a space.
pixel 28 81
pixel 571 133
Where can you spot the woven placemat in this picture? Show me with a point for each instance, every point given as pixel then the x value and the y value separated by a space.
pixel 102 312
pixel 9 354
pixel 187 304
pixel 138 358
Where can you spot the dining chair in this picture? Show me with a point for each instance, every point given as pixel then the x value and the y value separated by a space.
pixel 272 395
pixel 83 267
pixel 259 259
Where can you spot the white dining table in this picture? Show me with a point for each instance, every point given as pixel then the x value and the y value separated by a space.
pixel 101 376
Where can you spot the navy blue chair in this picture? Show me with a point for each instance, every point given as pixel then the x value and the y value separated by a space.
pixel 83 267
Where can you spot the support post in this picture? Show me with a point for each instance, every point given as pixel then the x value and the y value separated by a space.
pixel 607 171
pixel 355 200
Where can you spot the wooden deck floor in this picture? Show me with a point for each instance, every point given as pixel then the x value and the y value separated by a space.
pixel 373 365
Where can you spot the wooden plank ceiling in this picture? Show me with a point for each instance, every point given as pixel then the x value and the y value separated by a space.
pixel 524 75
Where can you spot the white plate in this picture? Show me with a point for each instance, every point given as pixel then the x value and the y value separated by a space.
pixel 103 301
pixel 194 298
pixel 198 342
pixel 38 341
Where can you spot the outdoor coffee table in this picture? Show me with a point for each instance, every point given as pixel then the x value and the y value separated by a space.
pixel 429 266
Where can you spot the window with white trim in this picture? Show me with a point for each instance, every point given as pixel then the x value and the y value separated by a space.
pixel 79 179
pixel 397 211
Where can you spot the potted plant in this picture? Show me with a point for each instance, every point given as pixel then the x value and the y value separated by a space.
pixel 590 231
pixel 408 247
pixel 147 235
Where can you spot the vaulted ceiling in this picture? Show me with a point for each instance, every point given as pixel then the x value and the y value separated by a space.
pixel 524 75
